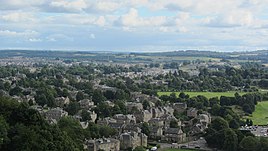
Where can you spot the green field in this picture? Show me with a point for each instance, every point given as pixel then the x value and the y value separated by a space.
pixel 260 115
pixel 206 94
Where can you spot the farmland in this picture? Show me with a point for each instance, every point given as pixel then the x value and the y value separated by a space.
pixel 206 94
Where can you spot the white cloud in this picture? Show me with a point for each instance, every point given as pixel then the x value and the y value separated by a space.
pixel 59 38
pixel 71 6
pixel 233 19
pixel 107 6
pixel 35 40
pixel 27 33
pixel 132 19
pixel 19 4
pixel 18 17
pixel 63 21
pixel 100 21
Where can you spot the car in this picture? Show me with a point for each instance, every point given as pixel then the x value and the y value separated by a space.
pixel 197 147
pixel 183 146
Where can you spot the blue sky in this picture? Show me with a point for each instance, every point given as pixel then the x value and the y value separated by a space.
pixel 134 25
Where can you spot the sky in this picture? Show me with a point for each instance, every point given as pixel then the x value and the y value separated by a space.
pixel 134 25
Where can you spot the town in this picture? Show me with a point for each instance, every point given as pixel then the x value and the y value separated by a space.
pixel 114 106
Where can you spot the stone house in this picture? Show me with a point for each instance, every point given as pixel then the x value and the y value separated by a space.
pixel 118 126
pixel 132 128
pixel 174 135
pixel 62 101
pixel 192 112
pixel 126 119
pixel 168 110
pixel 86 104
pixel 156 132
pixel 106 121
pixel 131 105
pixel 203 120
pixel 55 113
pixel 157 112
pixel 106 144
pixel 143 116
pixel 180 107
pixel 156 122
pixel 132 140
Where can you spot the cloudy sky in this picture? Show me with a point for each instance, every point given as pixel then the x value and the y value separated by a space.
pixel 134 25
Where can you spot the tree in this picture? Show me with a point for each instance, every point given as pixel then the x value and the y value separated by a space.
pixel 249 144
pixel 234 124
pixel 263 144
pixel 3 130
pixel 80 96
pixel 85 115
pixel 98 97
pixel 247 108
pixel 41 99
pixel 173 124
pixel 15 91
pixel 219 124
pixel 73 128
pixel 215 138
pixel 230 140
pixel 109 94
pixel 145 105
pixel 106 131
pixel 145 128
pixel 27 130
pixel 72 108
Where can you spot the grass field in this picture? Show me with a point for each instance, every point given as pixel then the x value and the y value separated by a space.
pixel 260 115
pixel 206 94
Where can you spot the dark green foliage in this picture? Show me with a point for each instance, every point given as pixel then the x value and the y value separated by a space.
pixel 98 97
pixel 22 128
pixel 3 131
pixel 85 115
pixel 73 128
pixel 219 124
pixel 80 96
pixel 250 144
pixel 230 140
pixel 145 104
pixel 15 91
pixel 174 124
pixel 145 129
pixel 73 108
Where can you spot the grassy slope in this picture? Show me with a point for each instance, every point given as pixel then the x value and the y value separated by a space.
pixel 260 116
pixel 206 94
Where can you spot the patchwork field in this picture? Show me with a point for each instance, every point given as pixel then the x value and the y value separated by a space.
pixel 260 115
pixel 206 94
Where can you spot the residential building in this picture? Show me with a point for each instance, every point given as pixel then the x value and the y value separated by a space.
pixel 106 144
pixel 132 140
